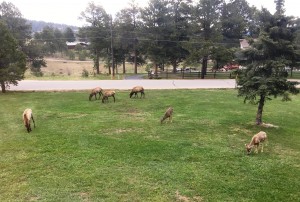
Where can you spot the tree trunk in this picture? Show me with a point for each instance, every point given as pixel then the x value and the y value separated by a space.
pixel 97 61
pixel 260 110
pixel 156 70
pixel 109 70
pixel 174 64
pixel 135 62
pixel 124 68
pixel 204 67
pixel 3 86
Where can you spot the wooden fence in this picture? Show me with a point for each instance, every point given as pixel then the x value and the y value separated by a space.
pixel 190 75
pixel 209 75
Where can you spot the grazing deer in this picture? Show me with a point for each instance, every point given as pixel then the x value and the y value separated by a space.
pixel 257 139
pixel 137 89
pixel 108 93
pixel 168 114
pixel 94 92
pixel 27 116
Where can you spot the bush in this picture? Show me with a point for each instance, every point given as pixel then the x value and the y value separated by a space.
pixel 148 67
pixel 71 55
pixel 85 73
pixel 82 55
pixel 36 71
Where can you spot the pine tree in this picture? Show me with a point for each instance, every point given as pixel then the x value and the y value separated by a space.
pixel 279 7
pixel 12 60
pixel 266 61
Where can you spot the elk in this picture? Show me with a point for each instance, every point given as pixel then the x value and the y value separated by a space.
pixel 27 116
pixel 94 92
pixel 108 93
pixel 168 114
pixel 257 139
pixel 137 89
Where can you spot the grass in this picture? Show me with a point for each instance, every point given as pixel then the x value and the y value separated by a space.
pixel 88 151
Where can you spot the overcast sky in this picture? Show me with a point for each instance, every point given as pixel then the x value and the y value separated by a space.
pixel 68 11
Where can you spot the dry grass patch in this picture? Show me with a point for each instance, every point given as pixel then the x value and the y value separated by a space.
pixel 73 69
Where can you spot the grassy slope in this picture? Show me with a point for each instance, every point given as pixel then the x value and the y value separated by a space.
pixel 89 151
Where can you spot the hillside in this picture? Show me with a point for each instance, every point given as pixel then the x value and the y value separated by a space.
pixel 37 26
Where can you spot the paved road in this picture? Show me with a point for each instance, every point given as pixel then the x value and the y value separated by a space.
pixel 33 85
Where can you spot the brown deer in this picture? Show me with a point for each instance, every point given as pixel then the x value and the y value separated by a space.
pixel 257 139
pixel 27 116
pixel 94 92
pixel 137 89
pixel 168 114
pixel 108 93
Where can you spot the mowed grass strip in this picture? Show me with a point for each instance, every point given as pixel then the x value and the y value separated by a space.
pixel 85 150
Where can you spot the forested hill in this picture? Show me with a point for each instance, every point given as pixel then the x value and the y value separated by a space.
pixel 37 26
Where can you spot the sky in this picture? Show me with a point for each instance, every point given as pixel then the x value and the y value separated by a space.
pixel 68 11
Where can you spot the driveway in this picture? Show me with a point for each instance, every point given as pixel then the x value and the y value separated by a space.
pixel 34 85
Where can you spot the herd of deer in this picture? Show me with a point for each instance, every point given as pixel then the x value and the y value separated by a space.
pixel 257 139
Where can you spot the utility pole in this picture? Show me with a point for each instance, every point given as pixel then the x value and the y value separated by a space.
pixel 112 48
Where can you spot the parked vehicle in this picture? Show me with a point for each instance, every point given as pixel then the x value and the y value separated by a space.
pixel 231 66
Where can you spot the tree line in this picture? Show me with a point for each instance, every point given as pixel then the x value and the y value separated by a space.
pixel 173 33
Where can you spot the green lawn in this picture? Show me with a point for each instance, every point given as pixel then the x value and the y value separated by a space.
pixel 85 150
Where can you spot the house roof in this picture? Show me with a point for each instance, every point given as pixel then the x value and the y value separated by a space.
pixel 244 44
pixel 77 42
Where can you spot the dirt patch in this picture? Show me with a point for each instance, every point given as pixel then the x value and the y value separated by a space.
pixel 182 198
pixel 269 125
pixel 84 196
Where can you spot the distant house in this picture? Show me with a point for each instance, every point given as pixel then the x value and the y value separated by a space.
pixel 244 44
pixel 72 45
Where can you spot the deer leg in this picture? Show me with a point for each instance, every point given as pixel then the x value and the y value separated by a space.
pixel 33 120
pixel 256 149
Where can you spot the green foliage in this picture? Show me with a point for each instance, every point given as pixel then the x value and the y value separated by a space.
pixel 265 76
pixel 12 60
pixel 237 17
pixel 16 46
pixel 69 35
pixel 85 150
pixel 52 40
pixel 148 67
pixel 36 71
pixel 97 31
pixel 82 55
pixel 71 55
pixel 85 73
pixel 36 65
pixel 165 26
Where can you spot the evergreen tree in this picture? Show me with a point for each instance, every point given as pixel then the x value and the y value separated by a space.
pixel 69 35
pixel 21 31
pixel 12 60
pixel 266 61
pixel 98 32
pixel 236 19
pixel 156 31
pixel 279 7
pixel 207 31
pixel 128 28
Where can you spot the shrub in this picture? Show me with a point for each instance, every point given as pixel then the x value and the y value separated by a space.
pixel 82 55
pixel 71 55
pixel 36 71
pixel 85 73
